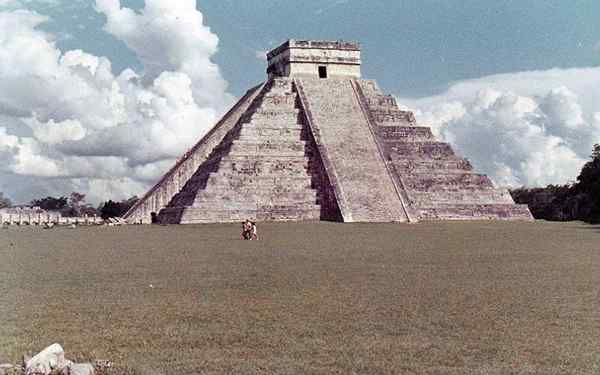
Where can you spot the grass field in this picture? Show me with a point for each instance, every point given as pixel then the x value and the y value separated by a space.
pixel 310 298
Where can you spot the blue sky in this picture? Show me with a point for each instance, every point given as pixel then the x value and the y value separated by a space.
pixel 413 48
pixel 102 96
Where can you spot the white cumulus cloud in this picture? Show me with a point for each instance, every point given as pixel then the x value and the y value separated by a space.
pixel 527 128
pixel 68 122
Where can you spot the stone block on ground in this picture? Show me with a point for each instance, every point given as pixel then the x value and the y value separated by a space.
pixel 79 369
pixel 49 359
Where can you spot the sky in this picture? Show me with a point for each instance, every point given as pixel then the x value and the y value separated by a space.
pixel 103 96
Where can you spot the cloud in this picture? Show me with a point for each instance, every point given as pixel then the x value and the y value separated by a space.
pixel 168 36
pixel 261 55
pixel 13 4
pixel 69 123
pixel 9 3
pixel 528 128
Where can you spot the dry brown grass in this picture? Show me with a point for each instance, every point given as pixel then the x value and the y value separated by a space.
pixel 311 298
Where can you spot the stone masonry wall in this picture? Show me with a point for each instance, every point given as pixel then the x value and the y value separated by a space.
pixel 264 169
pixel 172 182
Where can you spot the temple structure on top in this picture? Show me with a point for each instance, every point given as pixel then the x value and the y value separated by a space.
pixel 322 59
pixel 315 141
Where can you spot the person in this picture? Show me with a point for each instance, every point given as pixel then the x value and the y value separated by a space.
pixel 254 232
pixel 246 230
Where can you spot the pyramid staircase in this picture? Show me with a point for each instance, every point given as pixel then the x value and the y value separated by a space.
pixel 364 187
pixel 263 169
pixel 438 184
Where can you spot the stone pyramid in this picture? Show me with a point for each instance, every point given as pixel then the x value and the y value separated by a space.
pixel 317 142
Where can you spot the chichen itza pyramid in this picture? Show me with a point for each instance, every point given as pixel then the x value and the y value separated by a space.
pixel 318 142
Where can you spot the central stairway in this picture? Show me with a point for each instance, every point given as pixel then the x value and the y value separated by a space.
pixel 365 188
pixel 262 170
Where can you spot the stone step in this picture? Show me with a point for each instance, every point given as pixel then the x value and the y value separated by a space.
pixel 257 138
pixel 274 124
pixel 255 153
pixel 432 150
pixel 391 115
pixel 251 202
pixel 447 182
pixel 380 101
pixel 277 100
pixel 281 110
pixel 253 205
pixel 279 194
pixel 192 215
pixel 404 133
pixel 302 193
pixel 274 166
pixel 430 171
pixel 271 115
pixel 251 147
pixel 215 201
pixel 476 212
pixel 294 192
pixel 276 133
pixel 419 165
pixel 237 179
pixel 431 199
pixel 276 112
pixel 263 158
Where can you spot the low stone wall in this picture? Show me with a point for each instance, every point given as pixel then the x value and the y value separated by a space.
pixel 47 218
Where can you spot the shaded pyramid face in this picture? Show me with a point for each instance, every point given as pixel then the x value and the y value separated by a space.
pixel 263 169
pixel 316 142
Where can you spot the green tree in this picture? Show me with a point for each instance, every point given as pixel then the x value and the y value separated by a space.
pixel 111 208
pixel 588 185
pixel 580 201
pixel 50 203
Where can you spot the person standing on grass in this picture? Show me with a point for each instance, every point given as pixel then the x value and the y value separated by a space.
pixel 254 232
pixel 247 230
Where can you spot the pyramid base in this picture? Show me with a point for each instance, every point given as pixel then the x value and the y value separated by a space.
pixel 194 215
pixel 476 212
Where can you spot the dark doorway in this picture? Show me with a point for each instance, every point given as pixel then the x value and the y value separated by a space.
pixel 322 72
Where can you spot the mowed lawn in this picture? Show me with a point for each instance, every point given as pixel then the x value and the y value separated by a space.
pixel 308 298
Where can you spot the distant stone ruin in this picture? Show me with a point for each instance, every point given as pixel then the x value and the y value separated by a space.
pixel 317 142
pixel 38 216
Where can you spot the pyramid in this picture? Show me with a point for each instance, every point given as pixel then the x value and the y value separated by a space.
pixel 315 141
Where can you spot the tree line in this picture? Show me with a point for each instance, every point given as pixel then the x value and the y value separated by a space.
pixel 75 205
pixel 576 201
